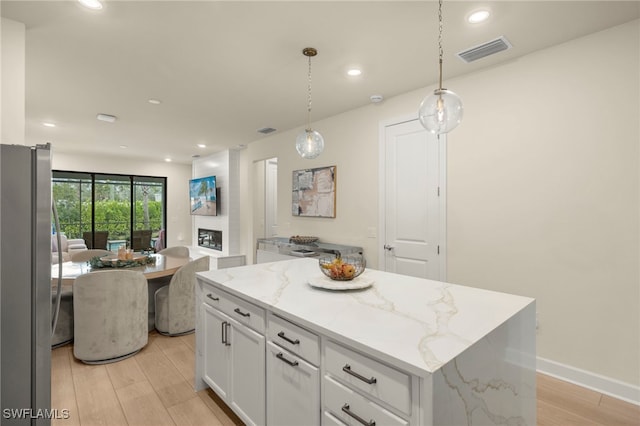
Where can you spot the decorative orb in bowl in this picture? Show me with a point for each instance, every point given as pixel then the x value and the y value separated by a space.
pixel 343 268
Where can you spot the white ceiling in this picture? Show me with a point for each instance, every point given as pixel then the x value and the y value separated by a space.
pixel 225 69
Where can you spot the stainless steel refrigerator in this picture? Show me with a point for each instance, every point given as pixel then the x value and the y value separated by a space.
pixel 25 285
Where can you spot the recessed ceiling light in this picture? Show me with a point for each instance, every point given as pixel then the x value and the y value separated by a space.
pixel 354 72
pixel 155 101
pixel 478 16
pixel 201 145
pixel 106 117
pixel 123 146
pixel 91 4
pixel 47 124
pixel 168 160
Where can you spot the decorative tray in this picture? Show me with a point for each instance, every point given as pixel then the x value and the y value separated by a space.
pixel 322 281
pixel 112 261
pixel 300 239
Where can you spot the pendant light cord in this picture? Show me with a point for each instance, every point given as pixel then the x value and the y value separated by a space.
pixel 309 98
pixel 440 51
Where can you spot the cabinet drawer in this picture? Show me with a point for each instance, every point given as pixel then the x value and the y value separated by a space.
pixel 370 376
pixel 294 338
pixel 244 312
pixel 354 409
pixel 329 419
pixel 293 389
pixel 211 296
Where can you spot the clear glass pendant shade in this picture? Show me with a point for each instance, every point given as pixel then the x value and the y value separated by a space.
pixel 440 112
pixel 309 144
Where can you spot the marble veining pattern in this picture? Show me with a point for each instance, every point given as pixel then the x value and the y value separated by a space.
pixel 419 325
pixel 492 382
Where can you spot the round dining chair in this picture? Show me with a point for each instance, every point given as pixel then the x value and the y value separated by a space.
pixel 175 311
pixel 86 255
pixel 110 315
pixel 177 251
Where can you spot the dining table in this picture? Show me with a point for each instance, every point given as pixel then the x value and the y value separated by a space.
pixel 164 266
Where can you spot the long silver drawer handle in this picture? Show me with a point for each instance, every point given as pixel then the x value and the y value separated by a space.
pixel 213 298
pixel 244 314
pixel 293 342
pixel 222 329
pixel 347 369
pixel 281 357
pixel 345 408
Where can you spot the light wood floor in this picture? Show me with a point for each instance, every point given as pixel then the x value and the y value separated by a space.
pixel 155 387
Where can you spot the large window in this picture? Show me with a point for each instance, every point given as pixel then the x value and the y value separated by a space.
pixel 110 211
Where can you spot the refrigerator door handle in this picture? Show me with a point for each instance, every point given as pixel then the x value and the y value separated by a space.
pixel 56 309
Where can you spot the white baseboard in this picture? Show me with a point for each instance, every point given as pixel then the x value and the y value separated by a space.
pixel 606 385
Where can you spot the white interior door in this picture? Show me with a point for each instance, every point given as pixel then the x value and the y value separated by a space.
pixel 271 197
pixel 412 200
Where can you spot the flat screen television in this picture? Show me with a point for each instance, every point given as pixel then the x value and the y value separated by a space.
pixel 203 195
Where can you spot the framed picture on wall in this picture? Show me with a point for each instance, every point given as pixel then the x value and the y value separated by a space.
pixel 314 192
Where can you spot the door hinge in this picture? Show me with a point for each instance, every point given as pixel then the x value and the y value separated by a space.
pixel 438 191
pixel 438 249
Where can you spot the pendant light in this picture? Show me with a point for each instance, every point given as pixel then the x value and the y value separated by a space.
pixel 309 143
pixel 440 112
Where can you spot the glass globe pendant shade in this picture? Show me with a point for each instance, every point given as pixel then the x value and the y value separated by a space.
pixel 440 112
pixel 309 144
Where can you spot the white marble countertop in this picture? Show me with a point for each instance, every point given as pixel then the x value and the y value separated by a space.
pixel 416 324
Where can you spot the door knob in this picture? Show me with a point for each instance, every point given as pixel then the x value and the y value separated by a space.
pixel 388 247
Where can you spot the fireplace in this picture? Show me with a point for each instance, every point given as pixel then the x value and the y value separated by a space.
pixel 210 238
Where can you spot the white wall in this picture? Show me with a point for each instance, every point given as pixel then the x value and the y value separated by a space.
pixel 224 166
pixel 12 82
pixel 178 175
pixel 543 191
pixel 545 203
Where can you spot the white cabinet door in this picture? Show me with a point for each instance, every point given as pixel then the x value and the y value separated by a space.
pixel 293 389
pixel 216 351
pixel 247 373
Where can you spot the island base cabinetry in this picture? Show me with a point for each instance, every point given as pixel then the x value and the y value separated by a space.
pixel 293 389
pixel 216 353
pixel 234 364
pixel 354 409
pixel 358 389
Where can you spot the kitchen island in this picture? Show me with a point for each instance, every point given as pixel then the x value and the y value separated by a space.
pixel 402 351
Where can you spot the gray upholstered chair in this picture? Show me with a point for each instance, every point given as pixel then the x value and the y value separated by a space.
pixel 110 315
pixel 156 283
pixel 175 303
pixel 63 333
pixel 86 255
pixel 176 251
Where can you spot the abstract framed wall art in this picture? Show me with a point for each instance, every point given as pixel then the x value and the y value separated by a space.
pixel 314 192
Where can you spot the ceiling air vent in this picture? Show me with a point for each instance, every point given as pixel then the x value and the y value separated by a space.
pixel 485 49
pixel 266 130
